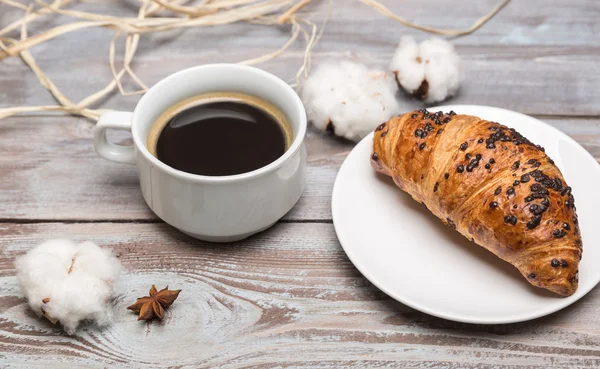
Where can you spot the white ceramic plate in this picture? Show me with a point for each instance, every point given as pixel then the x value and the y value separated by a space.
pixel 409 254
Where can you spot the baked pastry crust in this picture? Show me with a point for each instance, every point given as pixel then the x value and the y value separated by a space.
pixel 492 185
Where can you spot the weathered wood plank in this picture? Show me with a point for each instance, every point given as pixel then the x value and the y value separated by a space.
pixel 288 297
pixel 50 171
pixel 533 80
pixel 532 57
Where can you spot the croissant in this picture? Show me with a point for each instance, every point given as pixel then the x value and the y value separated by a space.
pixel 492 185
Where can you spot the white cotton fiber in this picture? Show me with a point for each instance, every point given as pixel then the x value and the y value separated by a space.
pixel 76 281
pixel 430 70
pixel 348 98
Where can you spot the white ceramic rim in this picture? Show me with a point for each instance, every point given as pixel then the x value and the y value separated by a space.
pixel 291 151
pixel 461 318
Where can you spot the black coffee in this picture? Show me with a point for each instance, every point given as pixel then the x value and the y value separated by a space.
pixel 222 136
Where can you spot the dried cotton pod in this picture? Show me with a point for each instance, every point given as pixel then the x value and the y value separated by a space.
pixel 430 70
pixel 69 283
pixel 349 99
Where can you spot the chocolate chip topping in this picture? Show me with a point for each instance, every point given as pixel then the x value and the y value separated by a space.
pixel 493 204
pixel 498 191
pixel 570 203
pixel 575 277
pixel 375 157
pixel 480 140
pixel 474 163
pixel 435 187
pixel 515 165
pixel 460 168
pixel 557 184
pixel 510 219
pixel 422 146
pixel 555 263
pixel 450 223
pixel 464 146
pixel 492 161
pixel 525 178
pixel 414 116
pixel 531 276
pixel 546 202
pixel 383 134
pixel 503 134
pixel 535 209
pixel 559 233
pixel 468 156
pixel 534 222
pixel 564 263
pixel 548 183
pixel 446 175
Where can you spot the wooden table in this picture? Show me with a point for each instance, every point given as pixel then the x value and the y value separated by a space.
pixel 288 297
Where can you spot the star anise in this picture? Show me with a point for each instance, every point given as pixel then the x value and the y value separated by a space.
pixel 154 306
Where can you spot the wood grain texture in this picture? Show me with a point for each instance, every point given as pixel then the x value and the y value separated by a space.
pixel 51 172
pixel 536 57
pixel 288 297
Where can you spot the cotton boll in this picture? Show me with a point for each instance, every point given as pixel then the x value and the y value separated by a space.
pixel 431 70
pixel 42 268
pixel 69 283
pixel 87 260
pixel 409 75
pixel 348 98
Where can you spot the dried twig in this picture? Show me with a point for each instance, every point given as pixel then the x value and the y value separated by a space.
pixel 291 11
pixel 34 15
pixel 273 55
pixel 446 32
pixel 178 16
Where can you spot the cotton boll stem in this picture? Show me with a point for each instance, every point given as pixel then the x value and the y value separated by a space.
pixel 45 314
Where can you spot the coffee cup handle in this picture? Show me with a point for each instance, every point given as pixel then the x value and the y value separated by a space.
pixel 108 150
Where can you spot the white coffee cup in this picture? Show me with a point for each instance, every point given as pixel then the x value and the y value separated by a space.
pixel 217 209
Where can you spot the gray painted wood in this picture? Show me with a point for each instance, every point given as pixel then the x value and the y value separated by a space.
pixel 51 172
pixel 536 57
pixel 288 297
